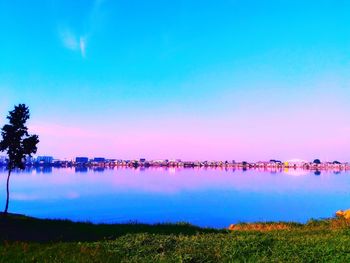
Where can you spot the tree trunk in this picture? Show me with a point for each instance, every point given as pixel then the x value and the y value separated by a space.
pixel 7 192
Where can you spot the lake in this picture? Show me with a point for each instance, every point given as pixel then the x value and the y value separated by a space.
pixel 204 197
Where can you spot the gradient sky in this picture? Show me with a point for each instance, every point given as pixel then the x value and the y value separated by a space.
pixel 239 79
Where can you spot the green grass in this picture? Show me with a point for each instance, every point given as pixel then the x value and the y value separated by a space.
pixel 25 239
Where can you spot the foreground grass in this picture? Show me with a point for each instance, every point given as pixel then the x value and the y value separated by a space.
pixel 64 241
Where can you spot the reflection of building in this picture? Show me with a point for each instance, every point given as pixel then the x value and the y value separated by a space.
pixel 81 160
pixel 81 169
pixel 296 172
pixel 44 160
pixel 44 169
pixel 98 169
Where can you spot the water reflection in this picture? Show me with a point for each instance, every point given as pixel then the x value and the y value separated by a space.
pixel 85 169
pixel 98 169
pixel 43 169
pixel 81 169
pixel 317 173
pixel 207 197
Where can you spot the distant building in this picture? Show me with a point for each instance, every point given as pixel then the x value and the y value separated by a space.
pixel 295 163
pixel 29 160
pixel 3 160
pixel 81 160
pixel 57 163
pixel 276 161
pixel 46 160
pixel 188 164
pixel 99 160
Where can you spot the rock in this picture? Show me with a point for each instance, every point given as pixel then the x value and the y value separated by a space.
pixel 344 214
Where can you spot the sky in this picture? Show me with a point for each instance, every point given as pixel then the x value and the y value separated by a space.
pixel 199 80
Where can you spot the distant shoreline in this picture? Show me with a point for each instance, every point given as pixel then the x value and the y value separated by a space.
pixel 263 166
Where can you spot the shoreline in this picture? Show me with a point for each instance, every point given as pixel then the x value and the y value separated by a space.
pixel 214 167
pixel 241 226
pixel 37 240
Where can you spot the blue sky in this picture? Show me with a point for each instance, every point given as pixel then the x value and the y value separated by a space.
pixel 187 79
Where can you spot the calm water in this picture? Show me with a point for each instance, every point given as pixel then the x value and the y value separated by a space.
pixel 205 197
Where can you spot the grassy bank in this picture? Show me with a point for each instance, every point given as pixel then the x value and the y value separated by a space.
pixel 25 239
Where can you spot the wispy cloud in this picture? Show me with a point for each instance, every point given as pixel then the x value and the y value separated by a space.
pixel 79 42
pixel 82 46
pixel 73 42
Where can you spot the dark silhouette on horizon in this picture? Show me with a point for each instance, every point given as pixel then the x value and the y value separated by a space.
pixel 317 161
pixel 17 143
